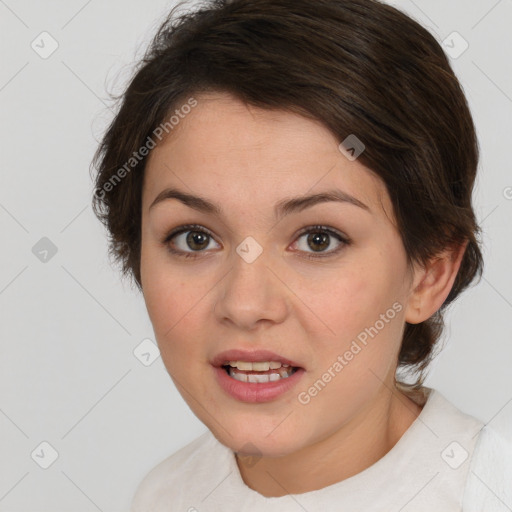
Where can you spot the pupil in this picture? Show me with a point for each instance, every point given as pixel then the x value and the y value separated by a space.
pixel 319 238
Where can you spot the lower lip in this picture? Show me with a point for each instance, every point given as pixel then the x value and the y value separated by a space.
pixel 256 391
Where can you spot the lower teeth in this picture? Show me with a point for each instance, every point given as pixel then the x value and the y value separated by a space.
pixel 283 373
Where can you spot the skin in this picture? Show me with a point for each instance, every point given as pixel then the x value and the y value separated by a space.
pixel 245 160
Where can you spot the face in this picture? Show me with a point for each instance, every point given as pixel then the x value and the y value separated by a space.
pixel 323 286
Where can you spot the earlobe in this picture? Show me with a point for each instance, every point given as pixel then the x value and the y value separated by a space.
pixel 413 308
pixel 435 282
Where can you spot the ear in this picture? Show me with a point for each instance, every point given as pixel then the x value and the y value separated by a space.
pixel 432 284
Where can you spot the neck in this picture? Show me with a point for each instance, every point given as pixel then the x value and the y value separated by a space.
pixel 351 449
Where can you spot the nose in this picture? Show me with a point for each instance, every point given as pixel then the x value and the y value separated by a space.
pixel 252 294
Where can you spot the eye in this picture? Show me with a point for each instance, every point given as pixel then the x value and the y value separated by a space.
pixel 319 238
pixel 197 238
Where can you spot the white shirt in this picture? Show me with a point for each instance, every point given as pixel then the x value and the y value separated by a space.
pixel 446 461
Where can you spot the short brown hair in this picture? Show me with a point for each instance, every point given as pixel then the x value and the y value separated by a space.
pixel 360 67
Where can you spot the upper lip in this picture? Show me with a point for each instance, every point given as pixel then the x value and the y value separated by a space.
pixel 251 356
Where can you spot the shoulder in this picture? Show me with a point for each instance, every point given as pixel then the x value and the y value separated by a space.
pixel 165 483
pixel 478 457
pixel 489 484
pixel 446 420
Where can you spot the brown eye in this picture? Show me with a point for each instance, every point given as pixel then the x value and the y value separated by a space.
pixel 196 240
pixel 319 239
pixel 187 240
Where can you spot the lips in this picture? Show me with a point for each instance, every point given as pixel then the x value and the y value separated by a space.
pixel 251 356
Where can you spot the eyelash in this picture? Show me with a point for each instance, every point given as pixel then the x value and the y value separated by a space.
pixel 310 229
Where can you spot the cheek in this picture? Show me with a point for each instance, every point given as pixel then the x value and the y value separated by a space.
pixel 166 293
pixel 175 316
pixel 364 312
pixel 351 301
pixel 173 303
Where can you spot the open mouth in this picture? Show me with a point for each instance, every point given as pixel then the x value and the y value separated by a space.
pixel 265 377
pixel 258 372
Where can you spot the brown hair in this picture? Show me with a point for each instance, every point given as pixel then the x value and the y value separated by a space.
pixel 360 67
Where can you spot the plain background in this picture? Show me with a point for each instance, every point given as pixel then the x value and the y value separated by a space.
pixel 69 326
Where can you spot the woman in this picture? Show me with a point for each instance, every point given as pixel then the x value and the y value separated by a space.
pixel 289 184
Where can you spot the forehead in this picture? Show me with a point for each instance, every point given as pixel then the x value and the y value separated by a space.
pixel 225 149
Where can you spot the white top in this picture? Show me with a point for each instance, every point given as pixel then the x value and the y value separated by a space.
pixel 446 461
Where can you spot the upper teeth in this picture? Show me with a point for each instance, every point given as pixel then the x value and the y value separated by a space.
pixel 259 366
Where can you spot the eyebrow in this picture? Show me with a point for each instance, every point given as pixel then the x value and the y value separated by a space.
pixel 281 209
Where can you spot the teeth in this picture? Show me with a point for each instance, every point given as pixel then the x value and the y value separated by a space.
pixel 255 378
pixel 282 373
pixel 258 366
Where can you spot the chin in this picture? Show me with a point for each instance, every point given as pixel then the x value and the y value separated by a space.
pixel 262 438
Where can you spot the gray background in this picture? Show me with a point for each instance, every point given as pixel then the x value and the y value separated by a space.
pixel 69 327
